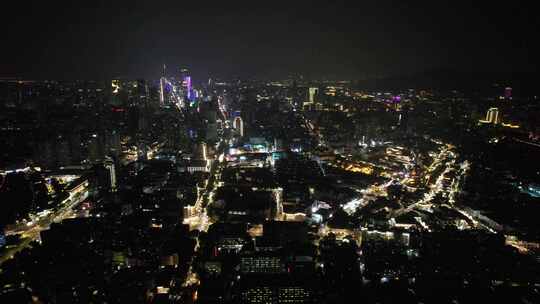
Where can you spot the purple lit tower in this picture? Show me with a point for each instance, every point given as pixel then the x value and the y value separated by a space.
pixel 187 83
pixel 508 93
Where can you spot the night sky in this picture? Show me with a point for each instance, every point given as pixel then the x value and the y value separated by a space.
pixel 343 39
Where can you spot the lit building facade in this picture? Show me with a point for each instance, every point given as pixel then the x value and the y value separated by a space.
pixel 238 124
pixel 312 94
pixel 261 264
pixel 109 164
pixel 161 91
pixel 492 116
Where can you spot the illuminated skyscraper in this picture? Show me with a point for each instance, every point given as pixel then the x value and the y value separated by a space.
pixel 312 94
pixel 109 164
pixel 116 93
pixel 162 88
pixel 185 84
pixel 161 91
pixel 115 84
pixel 238 124
pixel 188 88
pixel 312 97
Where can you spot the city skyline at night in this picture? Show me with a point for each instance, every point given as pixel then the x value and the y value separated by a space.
pixel 266 153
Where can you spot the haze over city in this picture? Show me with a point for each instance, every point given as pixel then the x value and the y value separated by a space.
pixel 105 39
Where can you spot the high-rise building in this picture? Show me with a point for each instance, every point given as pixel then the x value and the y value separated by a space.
pixel 184 73
pixel 142 94
pixel 293 294
pixel 219 125
pixel 508 93
pixel 238 124
pixel 270 290
pixel 312 94
pixel 162 91
pixel 212 132
pixel 294 94
pixel 188 88
pixel 109 164
pixel 95 148
pixel 162 88
pixel 259 294
pixel 116 93
pixel 125 93
pixel 262 264
pixel 113 145
pixel 2 238
pixel 142 150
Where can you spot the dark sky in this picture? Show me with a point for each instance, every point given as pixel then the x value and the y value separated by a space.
pixel 348 39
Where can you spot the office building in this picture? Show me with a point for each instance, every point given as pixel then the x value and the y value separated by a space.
pixel 238 125
pixel 109 164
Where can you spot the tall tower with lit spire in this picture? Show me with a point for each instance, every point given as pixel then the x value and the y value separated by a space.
pixel 162 88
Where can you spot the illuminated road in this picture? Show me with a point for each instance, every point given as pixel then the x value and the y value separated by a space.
pixel 201 221
pixel 446 159
pixel 527 142
pixel 445 179
pixel 178 101
pixel 32 233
